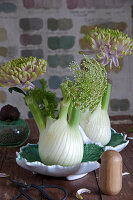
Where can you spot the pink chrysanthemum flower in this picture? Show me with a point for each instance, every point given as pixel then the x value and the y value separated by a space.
pixel 109 45
pixel 22 71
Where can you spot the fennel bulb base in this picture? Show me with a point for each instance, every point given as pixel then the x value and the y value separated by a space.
pixel 96 137
pixel 98 129
pixel 61 144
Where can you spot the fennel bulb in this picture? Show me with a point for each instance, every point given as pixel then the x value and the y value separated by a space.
pixel 98 127
pixel 61 144
pixel 84 118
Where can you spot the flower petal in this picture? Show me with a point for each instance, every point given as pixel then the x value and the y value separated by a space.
pixel 115 61
pixel 81 191
pixel 3 175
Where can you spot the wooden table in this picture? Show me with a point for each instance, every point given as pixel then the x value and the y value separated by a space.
pixel 8 165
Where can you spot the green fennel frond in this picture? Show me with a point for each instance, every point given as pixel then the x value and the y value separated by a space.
pixel 89 84
pixel 45 99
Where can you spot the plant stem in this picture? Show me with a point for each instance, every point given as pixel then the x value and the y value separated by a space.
pixel 106 97
pixel 63 110
pixel 45 101
pixel 36 112
pixel 70 110
pixel 74 118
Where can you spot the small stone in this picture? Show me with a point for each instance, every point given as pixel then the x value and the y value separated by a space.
pixel 115 104
pixel 28 3
pixel 65 24
pixel 26 39
pixel 84 29
pixel 53 61
pixel 124 104
pixel 35 53
pixel 132 10
pixel 3 97
pixel 67 42
pixel 3 51
pixel 121 26
pixel 55 4
pixel 36 39
pixel 3 34
pixel 31 24
pixel 72 4
pixel 83 44
pixel 54 82
pixel 37 83
pixel 46 4
pixel 53 43
pixel 12 52
pixel 102 4
pixel 65 60
pixel 8 7
pixel 52 24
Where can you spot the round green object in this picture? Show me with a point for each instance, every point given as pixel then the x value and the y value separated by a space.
pixel 13 133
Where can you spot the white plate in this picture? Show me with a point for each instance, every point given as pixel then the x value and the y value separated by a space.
pixel 71 173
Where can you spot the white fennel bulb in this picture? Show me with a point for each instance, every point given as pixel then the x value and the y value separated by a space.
pixel 61 144
pixel 84 118
pixel 97 124
pixel 98 128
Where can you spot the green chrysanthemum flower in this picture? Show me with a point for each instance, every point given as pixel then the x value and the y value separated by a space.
pixel 109 45
pixel 22 71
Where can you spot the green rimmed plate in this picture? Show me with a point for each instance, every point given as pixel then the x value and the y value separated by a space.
pixel 28 158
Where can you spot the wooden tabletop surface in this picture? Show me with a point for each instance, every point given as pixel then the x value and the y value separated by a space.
pixel 8 165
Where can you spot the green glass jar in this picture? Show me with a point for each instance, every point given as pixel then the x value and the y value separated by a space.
pixel 13 133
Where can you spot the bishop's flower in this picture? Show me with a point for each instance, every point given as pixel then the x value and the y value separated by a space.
pixel 22 71
pixel 109 45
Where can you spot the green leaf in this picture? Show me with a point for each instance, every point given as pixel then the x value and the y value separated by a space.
pixel 30 153
pixel 116 139
pixel 92 152
pixel 45 99
pixel 16 89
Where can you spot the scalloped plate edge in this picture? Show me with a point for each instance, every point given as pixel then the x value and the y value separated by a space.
pixel 75 169
pixel 71 173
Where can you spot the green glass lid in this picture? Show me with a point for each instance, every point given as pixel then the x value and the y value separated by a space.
pixel 14 133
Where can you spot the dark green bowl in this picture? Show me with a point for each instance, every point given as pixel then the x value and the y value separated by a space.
pixel 13 134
